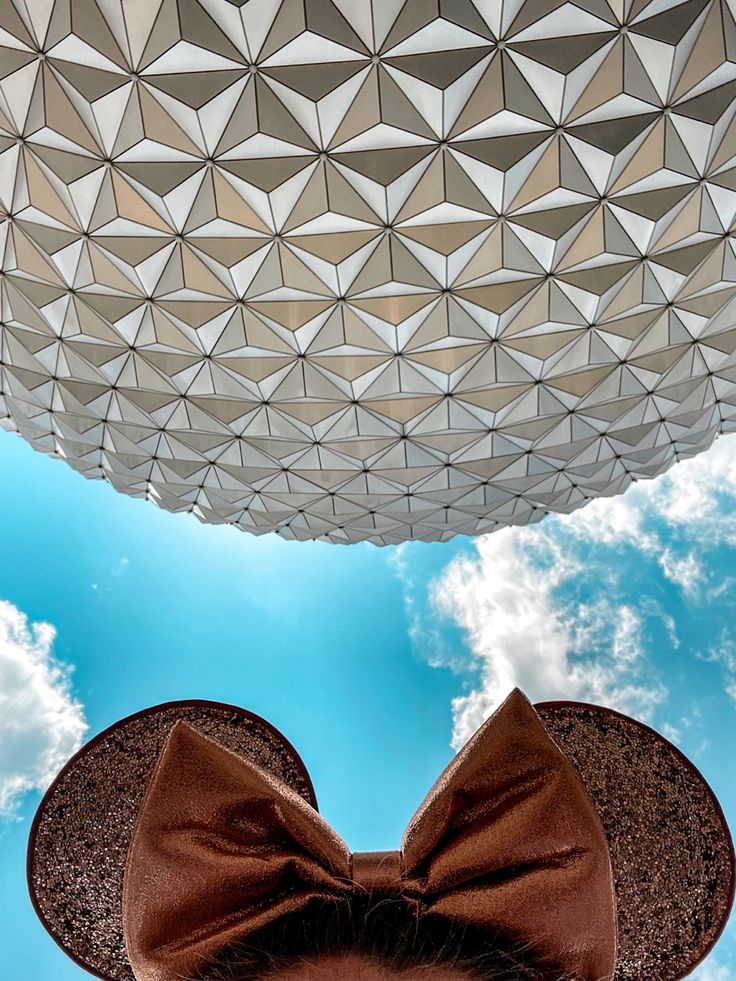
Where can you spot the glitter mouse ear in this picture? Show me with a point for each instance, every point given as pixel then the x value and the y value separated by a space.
pixel 671 850
pixel 82 830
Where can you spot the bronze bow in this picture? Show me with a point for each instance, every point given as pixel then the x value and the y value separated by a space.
pixel 507 840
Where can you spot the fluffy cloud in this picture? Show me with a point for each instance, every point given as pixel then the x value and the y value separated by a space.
pixel 41 724
pixel 508 600
pixel 692 494
pixel 548 608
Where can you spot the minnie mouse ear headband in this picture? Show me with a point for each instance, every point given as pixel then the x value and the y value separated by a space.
pixel 569 828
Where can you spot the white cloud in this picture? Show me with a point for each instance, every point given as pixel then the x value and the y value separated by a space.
pixel 692 491
pixel 41 724
pixel 686 571
pixel 689 500
pixel 521 633
pixel 613 521
pixel 517 594
pixel 671 732
pixel 688 494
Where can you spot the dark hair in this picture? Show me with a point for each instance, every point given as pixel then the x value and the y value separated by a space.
pixel 387 931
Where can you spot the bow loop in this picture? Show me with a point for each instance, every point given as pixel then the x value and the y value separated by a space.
pixel 509 840
pixel 221 848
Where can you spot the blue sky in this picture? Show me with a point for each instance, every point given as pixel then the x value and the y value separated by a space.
pixel 374 663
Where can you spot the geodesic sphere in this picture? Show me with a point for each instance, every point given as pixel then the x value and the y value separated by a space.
pixel 368 269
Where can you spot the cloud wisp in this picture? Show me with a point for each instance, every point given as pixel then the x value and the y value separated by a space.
pixel 41 723
pixel 713 970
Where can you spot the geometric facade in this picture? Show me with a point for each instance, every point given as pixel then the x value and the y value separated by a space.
pixel 368 269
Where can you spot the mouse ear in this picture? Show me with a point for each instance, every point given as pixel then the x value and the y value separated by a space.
pixel 671 849
pixel 82 831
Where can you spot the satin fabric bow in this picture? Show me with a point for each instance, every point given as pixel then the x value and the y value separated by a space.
pixel 507 840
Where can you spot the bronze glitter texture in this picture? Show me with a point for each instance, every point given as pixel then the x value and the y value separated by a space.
pixel 671 852
pixel 670 848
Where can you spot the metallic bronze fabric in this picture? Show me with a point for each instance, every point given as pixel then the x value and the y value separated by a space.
pixel 507 840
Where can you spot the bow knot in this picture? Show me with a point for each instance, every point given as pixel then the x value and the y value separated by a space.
pixel 507 841
pixel 377 871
